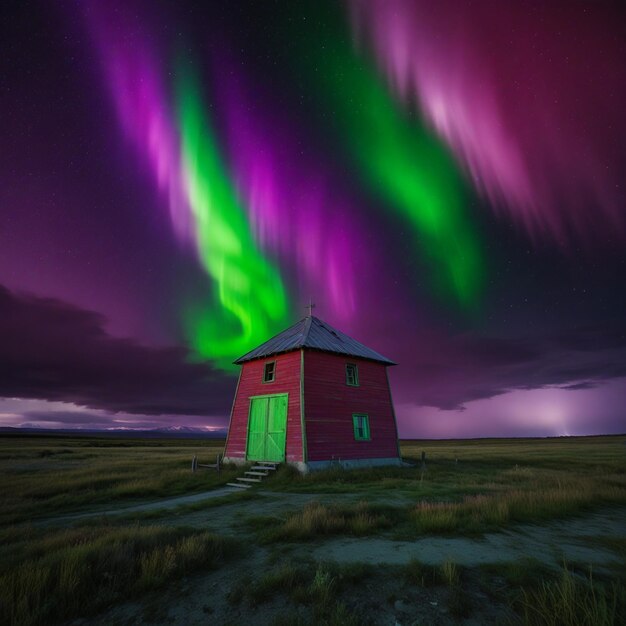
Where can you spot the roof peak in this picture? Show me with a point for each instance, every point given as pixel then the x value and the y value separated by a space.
pixel 313 333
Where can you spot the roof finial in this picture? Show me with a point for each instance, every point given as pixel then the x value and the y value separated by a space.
pixel 310 306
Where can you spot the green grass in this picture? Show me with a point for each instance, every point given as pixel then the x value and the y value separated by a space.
pixel 572 600
pixel 486 482
pixel 535 595
pixel 450 573
pixel 317 585
pixel 420 574
pixel 523 573
pixel 44 476
pixel 469 467
pixel 49 574
pixel 547 596
pixel 468 487
pixel 54 576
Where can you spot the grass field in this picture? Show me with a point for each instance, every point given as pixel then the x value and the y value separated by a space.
pixel 470 486
pixel 53 571
pixel 43 476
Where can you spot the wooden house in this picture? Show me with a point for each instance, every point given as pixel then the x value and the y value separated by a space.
pixel 312 397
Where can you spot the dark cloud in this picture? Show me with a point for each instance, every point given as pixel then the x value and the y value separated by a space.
pixel 100 420
pixel 580 386
pixel 447 372
pixel 70 418
pixel 53 351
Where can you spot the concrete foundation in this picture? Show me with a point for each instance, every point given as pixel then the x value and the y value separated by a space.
pixel 312 466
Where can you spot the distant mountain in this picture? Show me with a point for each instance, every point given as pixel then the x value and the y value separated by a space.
pixel 182 429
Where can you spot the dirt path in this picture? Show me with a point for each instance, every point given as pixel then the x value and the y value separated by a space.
pixel 158 505
pixel 203 599
pixel 271 503
pixel 549 543
pixel 575 540
pixel 389 600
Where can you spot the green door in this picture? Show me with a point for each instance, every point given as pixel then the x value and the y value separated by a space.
pixel 256 429
pixel 267 428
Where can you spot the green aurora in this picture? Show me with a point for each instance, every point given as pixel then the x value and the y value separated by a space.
pixel 252 302
pixel 398 157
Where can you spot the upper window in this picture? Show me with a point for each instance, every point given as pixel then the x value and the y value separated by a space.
pixel 361 424
pixel 352 375
pixel 269 372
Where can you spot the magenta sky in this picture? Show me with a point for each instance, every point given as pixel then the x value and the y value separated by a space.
pixel 99 255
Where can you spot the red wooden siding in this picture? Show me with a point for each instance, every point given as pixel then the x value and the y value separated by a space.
pixel 329 404
pixel 287 380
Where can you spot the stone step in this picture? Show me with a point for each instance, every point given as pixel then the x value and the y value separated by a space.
pixel 265 468
pixel 250 473
pixel 239 485
pixel 249 480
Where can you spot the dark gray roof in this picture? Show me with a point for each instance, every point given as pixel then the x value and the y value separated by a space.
pixel 311 332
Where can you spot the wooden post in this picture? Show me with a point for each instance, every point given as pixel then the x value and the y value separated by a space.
pixel 423 460
pixel 194 464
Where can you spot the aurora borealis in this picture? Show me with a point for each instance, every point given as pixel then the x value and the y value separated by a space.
pixel 521 92
pixel 445 180
pixel 249 302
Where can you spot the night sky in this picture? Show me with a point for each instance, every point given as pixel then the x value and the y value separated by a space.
pixel 444 179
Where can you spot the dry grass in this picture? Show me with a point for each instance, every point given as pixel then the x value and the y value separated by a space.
pixel 417 573
pixel 317 520
pixel 468 487
pixel 574 601
pixel 79 571
pixel 450 573
pixel 49 575
pixel 537 502
pixel 555 496
pixel 45 476
pixel 474 486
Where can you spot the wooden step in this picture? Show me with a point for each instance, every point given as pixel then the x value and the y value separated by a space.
pixel 250 473
pixel 268 465
pixel 265 468
pixel 249 480
pixel 239 485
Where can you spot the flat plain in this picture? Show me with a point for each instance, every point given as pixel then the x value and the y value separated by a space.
pixel 120 531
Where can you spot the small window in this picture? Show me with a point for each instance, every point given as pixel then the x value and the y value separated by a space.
pixel 361 424
pixel 269 372
pixel 352 375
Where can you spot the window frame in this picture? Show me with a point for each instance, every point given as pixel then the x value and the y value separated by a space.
pixel 356 375
pixel 265 365
pixel 367 433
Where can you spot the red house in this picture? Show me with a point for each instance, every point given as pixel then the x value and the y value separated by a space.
pixel 312 396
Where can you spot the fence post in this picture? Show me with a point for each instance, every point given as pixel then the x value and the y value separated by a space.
pixel 194 464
